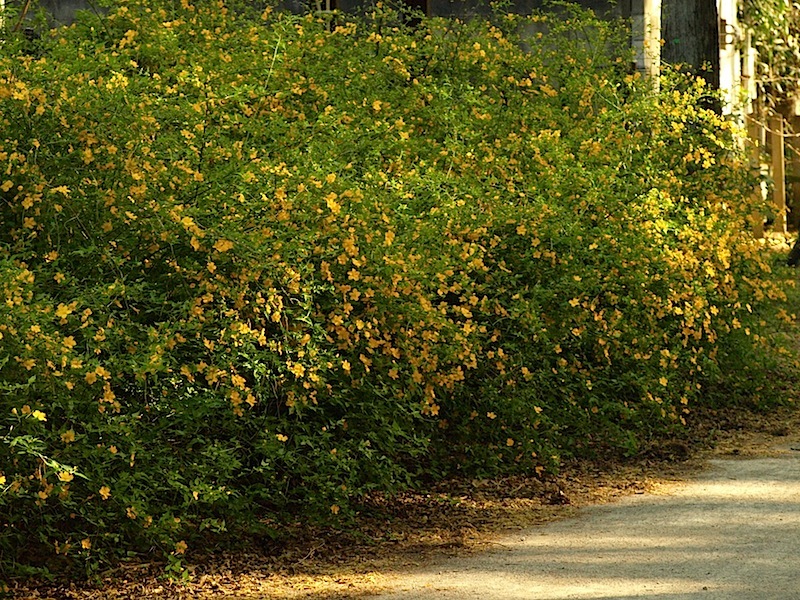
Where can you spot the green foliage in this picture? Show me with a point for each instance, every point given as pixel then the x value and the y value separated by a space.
pixel 254 268
pixel 774 26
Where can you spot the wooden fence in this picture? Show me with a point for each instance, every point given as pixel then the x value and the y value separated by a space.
pixel 775 146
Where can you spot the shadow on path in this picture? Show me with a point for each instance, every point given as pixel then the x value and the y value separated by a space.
pixel 732 533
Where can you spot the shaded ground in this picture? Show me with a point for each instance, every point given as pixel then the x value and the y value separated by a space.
pixel 459 518
pixel 733 532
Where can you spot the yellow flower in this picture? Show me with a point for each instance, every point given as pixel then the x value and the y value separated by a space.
pixel 105 492
pixel 39 415
pixel 86 544
pixel 223 245
pixel 333 205
pixel 180 547
pixel 118 80
pixel 63 310
pixel 2 479
pixel 65 476
pixel 68 436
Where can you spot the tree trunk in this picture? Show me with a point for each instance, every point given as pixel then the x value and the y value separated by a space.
pixel 690 29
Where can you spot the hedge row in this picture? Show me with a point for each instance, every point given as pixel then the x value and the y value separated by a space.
pixel 256 266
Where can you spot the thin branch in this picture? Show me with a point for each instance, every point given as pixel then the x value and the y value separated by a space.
pixel 22 15
pixel 768 129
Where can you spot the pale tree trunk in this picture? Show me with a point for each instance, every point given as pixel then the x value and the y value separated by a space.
pixel 690 30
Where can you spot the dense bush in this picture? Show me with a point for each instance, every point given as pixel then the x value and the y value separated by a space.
pixel 256 266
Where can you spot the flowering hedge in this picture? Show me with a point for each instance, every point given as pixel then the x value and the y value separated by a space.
pixel 254 267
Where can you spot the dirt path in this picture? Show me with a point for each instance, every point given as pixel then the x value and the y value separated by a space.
pixel 731 532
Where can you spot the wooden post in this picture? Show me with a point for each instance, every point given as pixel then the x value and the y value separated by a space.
pixel 652 40
pixel 646 38
pixel 754 133
pixel 778 172
pixel 730 58
pixel 749 74
pixel 793 186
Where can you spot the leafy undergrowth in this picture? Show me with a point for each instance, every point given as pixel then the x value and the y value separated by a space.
pixel 454 518
pixel 259 268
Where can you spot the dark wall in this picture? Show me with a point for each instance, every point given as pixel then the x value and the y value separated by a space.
pixel 469 8
pixel 62 11
pixel 691 36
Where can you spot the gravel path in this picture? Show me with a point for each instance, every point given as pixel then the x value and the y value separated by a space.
pixel 731 533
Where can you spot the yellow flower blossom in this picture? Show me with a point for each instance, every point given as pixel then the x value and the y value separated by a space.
pixel 64 310
pixel 223 245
